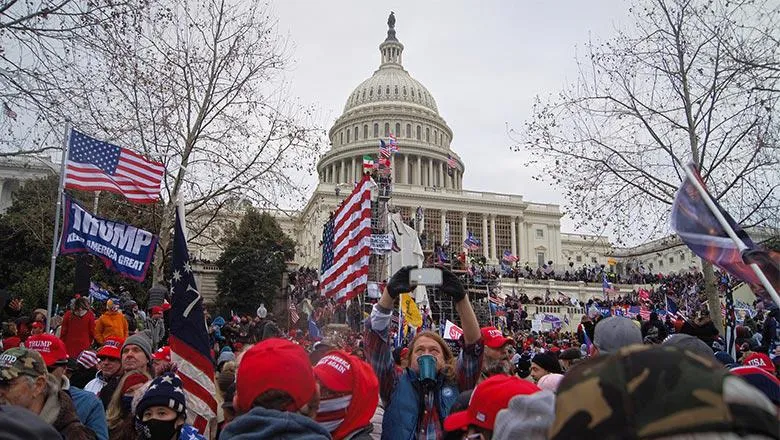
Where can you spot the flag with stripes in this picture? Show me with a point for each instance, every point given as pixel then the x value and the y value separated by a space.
pixel 189 338
pixel 731 323
pixel 606 286
pixel 94 165
pixel 384 150
pixel 294 317
pixel 451 162
pixel 393 143
pixel 346 245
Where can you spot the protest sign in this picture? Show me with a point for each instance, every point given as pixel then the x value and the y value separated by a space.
pixel 381 243
pixel 123 248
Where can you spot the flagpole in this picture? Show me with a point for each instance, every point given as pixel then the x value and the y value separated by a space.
pixel 54 239
pixel 733 235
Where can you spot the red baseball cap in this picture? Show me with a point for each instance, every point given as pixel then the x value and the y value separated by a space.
pixel 163 354
pixel 494 338
pixel 488 398
pixel 51 348
pixel 274 364
pixel 112 347
pixel 761 361
pixel 156 310
pixel 37 324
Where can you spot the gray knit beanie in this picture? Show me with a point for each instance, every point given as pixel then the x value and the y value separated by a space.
pixel 527 417
pixel 142 341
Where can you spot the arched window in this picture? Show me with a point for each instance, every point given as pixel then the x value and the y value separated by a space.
pixel 412 93
pixel 378 90
pixel 356 133
pixel 396 89
pixel 397 129
pixel 404 90
pixel 376 130
pixel 436 136
pixel 364 93
pixel 341 140
pixel 427 134
pixel 419 132
pixel 370 92
pixel 388 90
pixel 387 129
pixel 409 131
pixel 348 133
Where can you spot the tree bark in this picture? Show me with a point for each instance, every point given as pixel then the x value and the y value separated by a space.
pixel 713 299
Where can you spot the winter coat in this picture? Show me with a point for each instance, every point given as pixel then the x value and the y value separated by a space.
pixel 403 410
pixel 111 323
pixel 89 409
pixel 77 332
pixel 59 412
pixel 262 423
pixel 155 329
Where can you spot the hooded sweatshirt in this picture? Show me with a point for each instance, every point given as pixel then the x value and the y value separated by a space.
pixel 262 423
pixel 110 323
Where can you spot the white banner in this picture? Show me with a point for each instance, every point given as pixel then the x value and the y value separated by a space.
pixel 381 243
pixel 452 331
pixel 445 241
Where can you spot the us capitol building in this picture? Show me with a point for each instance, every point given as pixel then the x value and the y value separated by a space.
pixel 391 101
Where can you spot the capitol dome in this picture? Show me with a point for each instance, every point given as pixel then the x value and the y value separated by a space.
pixel 392 103
pixel 391 83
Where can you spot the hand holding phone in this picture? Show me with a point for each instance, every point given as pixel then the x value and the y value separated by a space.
pixel 429 276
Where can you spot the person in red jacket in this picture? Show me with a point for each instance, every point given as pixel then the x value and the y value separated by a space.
pixel 78 328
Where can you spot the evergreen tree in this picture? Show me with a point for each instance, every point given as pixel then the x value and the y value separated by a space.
pixel 253 264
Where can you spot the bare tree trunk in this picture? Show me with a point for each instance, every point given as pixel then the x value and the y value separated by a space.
pixel 713 300
pixel 158 274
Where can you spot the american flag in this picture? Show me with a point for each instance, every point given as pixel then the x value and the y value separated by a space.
pixel 346 245
pixel 731 323
pixel 451 162
pixel 384 150
pixel 393 143
pixel 95 165
pixel 606 287
pixel 294 317
pixel 189 339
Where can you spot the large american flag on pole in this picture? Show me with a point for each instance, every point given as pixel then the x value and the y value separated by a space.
pixel 346 245
pixel 189 339
pixel 95 165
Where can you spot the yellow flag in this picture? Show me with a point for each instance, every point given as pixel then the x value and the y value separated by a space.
pixel 410 310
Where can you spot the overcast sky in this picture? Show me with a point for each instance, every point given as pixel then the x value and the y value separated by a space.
pixel 483 62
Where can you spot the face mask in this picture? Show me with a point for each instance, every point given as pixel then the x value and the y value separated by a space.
pixel 127 403
pixel 154 429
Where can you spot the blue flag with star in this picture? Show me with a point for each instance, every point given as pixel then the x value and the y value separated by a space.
pixel 189 338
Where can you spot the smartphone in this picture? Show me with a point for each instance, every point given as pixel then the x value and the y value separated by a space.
pixel 429 276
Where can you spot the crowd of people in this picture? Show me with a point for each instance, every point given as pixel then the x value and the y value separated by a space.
pixel 104 371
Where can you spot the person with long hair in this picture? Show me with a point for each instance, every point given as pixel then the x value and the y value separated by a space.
pixel 121 423
pixel 418 398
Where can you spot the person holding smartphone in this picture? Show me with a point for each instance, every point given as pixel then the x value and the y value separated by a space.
pixel 419 397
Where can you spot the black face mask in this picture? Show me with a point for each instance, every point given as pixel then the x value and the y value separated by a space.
pixel 154 429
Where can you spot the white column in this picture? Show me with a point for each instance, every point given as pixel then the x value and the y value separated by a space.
pixel 406 178
pixel 341 172
pixel 513 235
pixel 443 222
pixel 329 173
pixel 464 227
pixel 419 170
pixel 485 236
pixel 354 171
pixel 494 254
